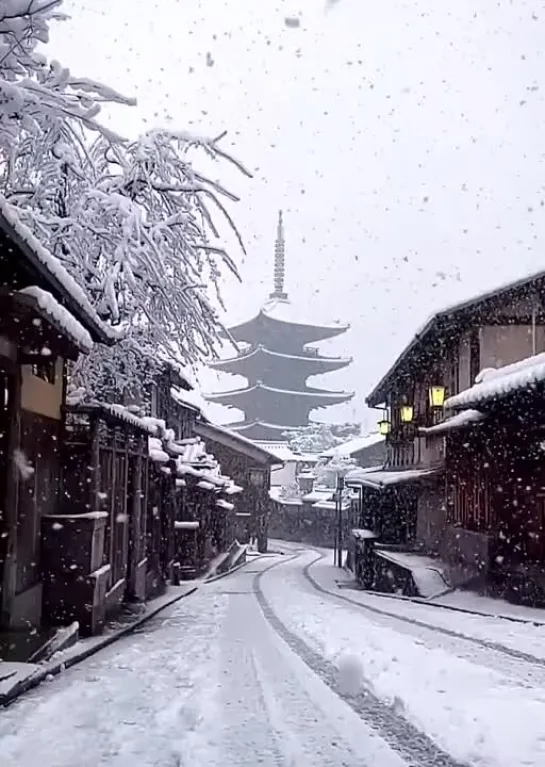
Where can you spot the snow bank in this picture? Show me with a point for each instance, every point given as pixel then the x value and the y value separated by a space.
pixel 478 715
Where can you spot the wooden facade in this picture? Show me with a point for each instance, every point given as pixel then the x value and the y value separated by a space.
pixel 479 511
pixel 36 340
pixel 250 468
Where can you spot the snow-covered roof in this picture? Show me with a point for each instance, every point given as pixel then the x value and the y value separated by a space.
pixel 121 412
pixel 54 272
pixel 61 317
pixel 319 494
pixel 455 422
pixel 233 489
pixel 331 505
pixel 377 395
pixel 363 535
pixel 320 393
pixel 283 310
pixel 156 452
pixel 496 383
pixel 192 399
pixel 247 425
pixel 353 445
pixel 260 349
pixel 204 484
pixel 225 504
pixel 381 479
pixel 236 441
pixel 284 453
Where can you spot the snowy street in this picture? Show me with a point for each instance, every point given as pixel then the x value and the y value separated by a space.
pixel 263 668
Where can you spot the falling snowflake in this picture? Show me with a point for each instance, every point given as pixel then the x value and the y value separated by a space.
pixel 22 464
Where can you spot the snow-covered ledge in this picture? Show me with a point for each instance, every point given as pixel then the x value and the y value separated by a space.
pixel 60 317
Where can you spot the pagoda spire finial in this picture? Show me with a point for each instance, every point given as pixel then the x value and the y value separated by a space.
pixel 279 260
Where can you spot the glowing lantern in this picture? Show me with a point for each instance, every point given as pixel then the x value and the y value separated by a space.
pixel 437 396
pixel 406 413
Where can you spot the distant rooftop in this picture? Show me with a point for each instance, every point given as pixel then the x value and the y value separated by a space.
pixel 353 446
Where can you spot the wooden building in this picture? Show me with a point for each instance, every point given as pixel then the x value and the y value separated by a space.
pixel 444 358
pixel 496 481
pixel 249 465
pixel 45 320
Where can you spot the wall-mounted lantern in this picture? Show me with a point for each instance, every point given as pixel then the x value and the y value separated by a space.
pixel 437 396
pixel 384 426
pixel 406 413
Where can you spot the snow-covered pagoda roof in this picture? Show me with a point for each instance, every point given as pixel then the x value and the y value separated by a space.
pixel 276 315
pixel 43 263
pixel 260 431
pixel 484 305
pixel 259 357
pixel 321 395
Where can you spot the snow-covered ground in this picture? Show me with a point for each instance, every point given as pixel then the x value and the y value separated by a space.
pixel 260 668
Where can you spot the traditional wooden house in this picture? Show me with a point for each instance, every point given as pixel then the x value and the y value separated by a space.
pixel 496 481
pixel 249 465
pixel 96 545
pixel 45 320
pixel 406 503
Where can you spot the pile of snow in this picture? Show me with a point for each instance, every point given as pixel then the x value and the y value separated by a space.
pixel 458 421
pixel 500 382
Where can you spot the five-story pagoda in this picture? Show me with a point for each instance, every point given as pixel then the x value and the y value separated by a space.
pixel 277 361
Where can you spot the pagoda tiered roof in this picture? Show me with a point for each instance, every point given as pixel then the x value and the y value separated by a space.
pixel 278 363
pixel 259 359
pixel 238 397
pixel 277 316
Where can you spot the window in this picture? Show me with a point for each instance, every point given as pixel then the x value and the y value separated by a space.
pixel 474 355
pixel 45 370
pixel 453 377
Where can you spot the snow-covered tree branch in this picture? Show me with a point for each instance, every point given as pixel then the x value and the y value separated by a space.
pixel 318 437
pixel 133 221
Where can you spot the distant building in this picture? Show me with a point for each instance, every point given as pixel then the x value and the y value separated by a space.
pixel 277 362
pixel 366 451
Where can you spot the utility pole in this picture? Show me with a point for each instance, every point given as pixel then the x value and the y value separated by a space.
pixel 338 515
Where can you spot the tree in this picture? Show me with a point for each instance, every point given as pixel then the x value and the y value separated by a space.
pixel 38 98
pixel 131 221
pixel 318 437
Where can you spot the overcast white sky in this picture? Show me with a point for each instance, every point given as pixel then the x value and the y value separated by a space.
pixel 404 139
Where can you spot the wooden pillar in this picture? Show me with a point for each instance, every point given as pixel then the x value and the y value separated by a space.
pixel 11 501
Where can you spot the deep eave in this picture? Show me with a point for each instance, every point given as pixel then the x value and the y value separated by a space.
pixel 307 394
pixel 314 333
pixel 333 363
pixel 265 431
pixel 236 442
pixel 439 322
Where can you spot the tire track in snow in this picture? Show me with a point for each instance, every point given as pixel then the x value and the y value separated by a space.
pixel 414 746
pixel 486 644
